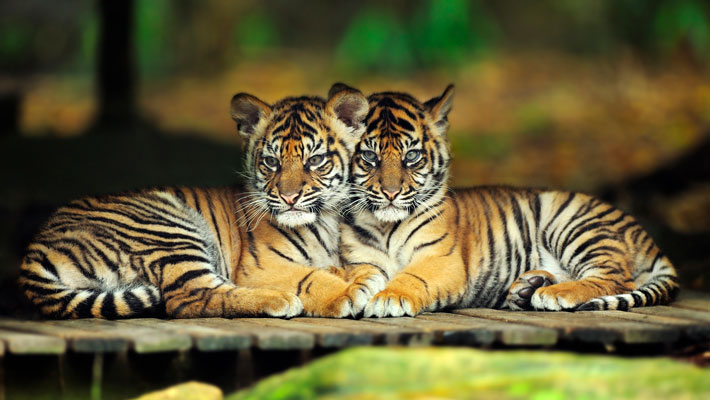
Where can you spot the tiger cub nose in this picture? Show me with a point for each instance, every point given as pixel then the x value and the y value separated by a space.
pixel 391 195
pixel 290 198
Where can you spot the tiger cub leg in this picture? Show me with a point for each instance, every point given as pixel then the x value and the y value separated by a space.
pixel 196 291
pixel 364 281
pixel 570 295
pixel 539 289
pixel 331 296
pixel 369 277
pixel 231 301
pixel 419 287
pixel 334 292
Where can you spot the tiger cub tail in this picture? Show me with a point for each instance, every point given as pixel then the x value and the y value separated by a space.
pixel 42 285
pixel 659 286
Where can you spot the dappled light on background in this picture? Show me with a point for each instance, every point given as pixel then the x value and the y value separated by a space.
pixel 517 118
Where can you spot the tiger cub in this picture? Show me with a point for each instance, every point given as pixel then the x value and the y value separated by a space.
pixel 484 246
pixel 218 251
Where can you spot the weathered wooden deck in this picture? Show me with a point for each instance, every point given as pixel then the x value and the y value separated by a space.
pixel 686 321
pixel 119 359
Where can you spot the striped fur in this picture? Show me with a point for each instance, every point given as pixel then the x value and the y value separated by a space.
pixel 484 246
pixel 221 251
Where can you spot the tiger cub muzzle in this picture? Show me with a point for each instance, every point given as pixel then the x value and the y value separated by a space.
pixel 296 191
pixel 390 203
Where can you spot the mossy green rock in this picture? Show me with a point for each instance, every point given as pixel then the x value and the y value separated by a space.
pixel 444 373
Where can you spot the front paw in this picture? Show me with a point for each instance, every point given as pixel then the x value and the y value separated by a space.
pixel 364 281
pixel 369 277
pixel 280 304
pixel 390 303
pixel 565 296
pixel 350 303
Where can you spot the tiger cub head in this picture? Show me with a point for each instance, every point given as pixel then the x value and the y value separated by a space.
pixel 298 152
pixel 401 164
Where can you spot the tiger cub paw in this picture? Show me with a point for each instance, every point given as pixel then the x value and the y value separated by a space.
pixel 363 282
pixel 369 277
pixel 348 304
pixel 280 304
pixel 522 290
pixel 565 296
pixel 390 303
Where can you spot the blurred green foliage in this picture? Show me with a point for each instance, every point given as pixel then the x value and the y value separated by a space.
pixel 449 31
pixel 255 34
pixel 367 36
pixel 40 36
pixel 684 22
pixel 14 39
pixel 375 40
pixel 444 32
pixel 151 34
pixel 88 41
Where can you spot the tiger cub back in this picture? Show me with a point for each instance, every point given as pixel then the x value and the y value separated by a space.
pixel 484 246
pixel 200 252
pixel 106 256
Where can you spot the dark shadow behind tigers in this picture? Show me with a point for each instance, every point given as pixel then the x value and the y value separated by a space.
pixel 650 196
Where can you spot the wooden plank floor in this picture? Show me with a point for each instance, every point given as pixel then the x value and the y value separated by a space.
pixel 687 321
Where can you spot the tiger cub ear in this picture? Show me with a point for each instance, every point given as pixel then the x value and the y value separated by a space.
pixel 349 106
pixel 439 108
pixel 247 111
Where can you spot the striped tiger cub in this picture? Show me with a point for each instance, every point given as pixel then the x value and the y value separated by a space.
pixel 484 246
pixel 221 252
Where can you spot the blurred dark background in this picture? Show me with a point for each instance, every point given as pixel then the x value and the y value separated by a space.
pixel 610 97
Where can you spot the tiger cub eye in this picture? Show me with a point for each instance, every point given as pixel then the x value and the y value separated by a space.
pixel 413 156
pixel 369 156
pixel 271 162
pixel 316 160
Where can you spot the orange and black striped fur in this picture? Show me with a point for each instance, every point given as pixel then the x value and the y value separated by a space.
pixel 484 246
pixel 223 252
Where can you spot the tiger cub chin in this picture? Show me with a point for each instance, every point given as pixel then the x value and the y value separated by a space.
pixel 220 252
pixel 484 246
